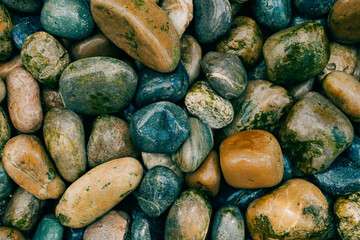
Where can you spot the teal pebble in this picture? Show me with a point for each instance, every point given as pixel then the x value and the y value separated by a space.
pixel 49 229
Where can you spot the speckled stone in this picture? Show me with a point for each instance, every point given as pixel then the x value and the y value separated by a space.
pixel 155 86
pixel 6 46
pixel 225 73
pixel 353 152
pixel 245 40
pixel 180 13
pixel 190 56
pixel 313 8
pixel 296 20
pixel 314 133
pixel 24 28
pixel 297 53
pixel 70 19
pixel 158 190
pixel 228 224
pixel 347 211
pixel 142 29
pixel 202 102
pixel 25 6
pixel 145 228
pixel 298 90
pixel 74 233
pixel 51 98
pixel 95 85
pixel 261 106
pixel 159 128
pixel 49 228
pixel 5 129
pixel 8 233
pixel 109 139
pixel 189 217
pixel 151 160
pixel 6 184
pixel 212 19
pixel 44 57
pixel 273 14
pixel 296 210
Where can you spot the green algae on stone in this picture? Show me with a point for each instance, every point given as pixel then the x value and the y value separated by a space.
pixel 44 57
pixel 296 54
pixel 314 133
pixel 6 45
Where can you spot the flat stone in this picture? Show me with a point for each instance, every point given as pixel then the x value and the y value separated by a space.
pixel 6 46
pixel 313 8
pixel 24 28
pixel 49 228
pixel 191 54
pixel 159 128
pixel 228 224
pixel 180 12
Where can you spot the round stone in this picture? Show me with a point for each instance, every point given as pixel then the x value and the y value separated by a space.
pixel 49 228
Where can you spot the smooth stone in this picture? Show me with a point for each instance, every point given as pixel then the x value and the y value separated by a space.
pixel 208 175
pixel 245 40
pixel 296 210
pixel 70 19
pixel 5 130
pixel 343 21
pixel 297 53
pixel 44 57
pixel 8 233
pixel 341 178
pixel 23 211
pixel 145 228
pixel 113 225
pixel 25 6
pixel 159 188
pixel 296 20
pixel 180 13
pixel 64 139
pixel 195 148
pixel 261 106
pixel 49 228
pixel 202 102
pixel 344 91
pixel 94 46
pixel 251 159
pixel 6 184
pixel 313 8
pixel 259 72
pixel 353 152
pixel 273 14
pixel 212 19
pixel 228 224
pixel 143 31
pixel 155 86
pixel 74 233
pixel 6 46
pixel 24 28
pixel 95 85
pixel 151 160
pixel 314 133
pixel 225 73
pixel 109 139
pixel 51 98
pixel 190 56
pixel 298 90
pixel 347 212
pixel 10 65
pixel 159 128
pixel 189 216
pixel 342 58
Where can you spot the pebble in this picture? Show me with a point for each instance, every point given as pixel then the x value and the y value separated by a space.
pixel 297 53
pixel 10 233
pixel 228 224
pixel 95 85
pixel 190 56
pixel 44 57
pixel 144 31
pixel 6 46
pixel 313 8
pixel 251 159
pixel 155 86
pixel 70 19
pixel 296 210
pixel 180 13
pixel 225 73
pixel 212 19
pixel 145 228
pixel 189 216
pixel 49 228
pixel 8 66
pixel 159 128
pixel 207 176
pixel 24 28
pixel 202 102
pixel 51 98
pixel 314 133
pixel 158 190
pixel 25 6
pixel 195 148
pixel 245 40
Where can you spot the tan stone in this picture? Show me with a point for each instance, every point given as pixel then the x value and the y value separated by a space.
pixel 10 65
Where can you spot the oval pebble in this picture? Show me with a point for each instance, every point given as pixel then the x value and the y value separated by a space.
pixel 8 233
pixel 49 228
pixel 228 224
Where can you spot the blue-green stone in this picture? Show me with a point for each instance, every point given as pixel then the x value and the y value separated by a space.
pixel 6 184
pixel 145 228
pixel 49 228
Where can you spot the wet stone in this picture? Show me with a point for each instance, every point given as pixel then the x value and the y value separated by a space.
pixel 24 28
pixel 158 190
pixel 313 8
pixel 49 228
pixel 159 128
pixel 228 224
pixel 191 54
